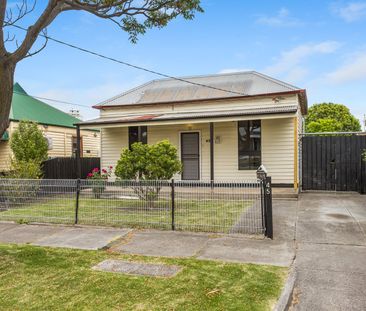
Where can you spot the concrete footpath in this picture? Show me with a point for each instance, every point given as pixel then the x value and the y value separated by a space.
pixel 331 252
pixel 232 248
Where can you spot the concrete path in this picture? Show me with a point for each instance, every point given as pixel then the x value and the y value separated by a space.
pixel 233 248
pixel 331 252
pixel 59 236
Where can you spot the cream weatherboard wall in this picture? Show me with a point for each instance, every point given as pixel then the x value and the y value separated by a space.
pixel 4 155
pixel 278 147
pixel 61 143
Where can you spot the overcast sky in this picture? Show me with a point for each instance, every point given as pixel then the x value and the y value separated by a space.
pixel 317 45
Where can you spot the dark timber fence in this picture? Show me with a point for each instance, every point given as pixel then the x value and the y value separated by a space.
pixel 363 174
pixel 65 168
pixel 332 162
pixel 222 207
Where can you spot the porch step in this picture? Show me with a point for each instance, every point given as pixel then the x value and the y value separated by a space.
pixel 284 193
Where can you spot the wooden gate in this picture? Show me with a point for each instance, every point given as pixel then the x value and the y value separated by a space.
pixel 333 162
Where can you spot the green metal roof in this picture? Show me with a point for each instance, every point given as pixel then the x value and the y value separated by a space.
pixel 5 136
pixel 25 107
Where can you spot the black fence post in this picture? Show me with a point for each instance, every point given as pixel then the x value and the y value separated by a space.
pixel 78 152
pixel 77 201
pixel 173 204
pixel 267 184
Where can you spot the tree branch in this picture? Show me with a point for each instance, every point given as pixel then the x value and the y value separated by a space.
pixel 2 18
pixel 30 54
pixel 23 10
pixel 53 8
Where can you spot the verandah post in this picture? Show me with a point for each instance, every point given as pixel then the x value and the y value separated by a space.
pixel 78 152
pixel 212 156
pixel 173 203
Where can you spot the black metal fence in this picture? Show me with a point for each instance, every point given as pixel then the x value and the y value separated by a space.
pixel 220 206
pixel 66 168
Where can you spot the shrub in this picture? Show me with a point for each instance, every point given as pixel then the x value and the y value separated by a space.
pixel 25 170
pixel 28 143
pixel 29 149
pixel 144 163
pixel 20 188
pixel 99 177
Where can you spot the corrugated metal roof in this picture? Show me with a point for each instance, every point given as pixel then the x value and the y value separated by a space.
pixel 248 83
pixel 193 115
pixel 26 107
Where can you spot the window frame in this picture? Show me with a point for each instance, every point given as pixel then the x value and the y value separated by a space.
pixel 249 168
pixel 140 138
pixel 73 150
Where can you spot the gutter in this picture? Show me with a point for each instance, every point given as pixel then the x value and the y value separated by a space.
pixel 181 118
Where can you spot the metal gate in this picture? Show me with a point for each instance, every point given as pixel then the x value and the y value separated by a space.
pixel 333 162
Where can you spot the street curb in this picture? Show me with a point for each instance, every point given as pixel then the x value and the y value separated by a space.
pixel 285 300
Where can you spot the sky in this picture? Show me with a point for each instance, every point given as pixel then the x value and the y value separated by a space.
pixel 316 45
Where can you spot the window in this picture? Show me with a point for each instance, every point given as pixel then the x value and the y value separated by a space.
pixel 249 137
pixel 74 142
pixel 137 134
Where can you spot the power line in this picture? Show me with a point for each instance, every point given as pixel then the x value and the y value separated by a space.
pixel 53 100
pixel 131 65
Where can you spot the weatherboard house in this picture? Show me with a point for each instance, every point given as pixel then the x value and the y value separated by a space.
pixel 224 126
pixel 57 126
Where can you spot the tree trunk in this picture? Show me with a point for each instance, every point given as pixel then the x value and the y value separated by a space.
pixel 7 70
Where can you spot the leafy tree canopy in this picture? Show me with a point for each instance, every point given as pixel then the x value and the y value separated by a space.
pixel 330 117
pixel 28 144
pixel 133 16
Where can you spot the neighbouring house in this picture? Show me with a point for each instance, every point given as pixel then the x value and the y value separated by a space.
pixel 58 128
pixel 224 132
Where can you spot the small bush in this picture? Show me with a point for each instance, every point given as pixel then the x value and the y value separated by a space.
pixel 99 177
pixel 28 143
pixel 25 170
pixel 148 162
pixel 29 149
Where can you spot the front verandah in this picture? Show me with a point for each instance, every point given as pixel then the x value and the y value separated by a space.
pixel 211 148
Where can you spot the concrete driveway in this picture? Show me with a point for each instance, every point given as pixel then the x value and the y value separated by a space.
pixel 331 252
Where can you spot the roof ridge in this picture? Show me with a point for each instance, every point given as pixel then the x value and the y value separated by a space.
pixel 275 80
pixel 125 92
pixel 206 75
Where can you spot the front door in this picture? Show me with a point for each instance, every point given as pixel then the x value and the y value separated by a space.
pixel 190 155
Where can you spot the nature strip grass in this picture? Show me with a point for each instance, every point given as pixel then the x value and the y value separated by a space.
pixel 38 278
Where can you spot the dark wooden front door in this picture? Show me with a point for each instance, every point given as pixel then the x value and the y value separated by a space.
pixel 190 155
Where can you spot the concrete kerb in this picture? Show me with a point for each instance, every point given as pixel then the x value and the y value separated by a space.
pixel 285 300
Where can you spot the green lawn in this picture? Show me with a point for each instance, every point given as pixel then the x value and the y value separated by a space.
pixel 36 278
pixel 199 215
